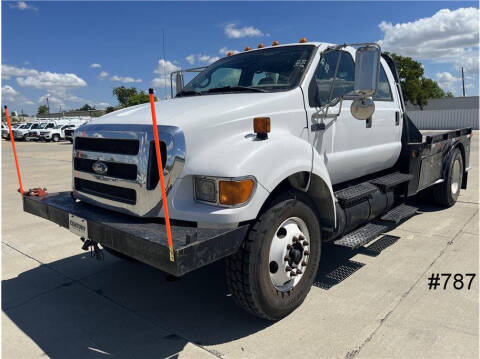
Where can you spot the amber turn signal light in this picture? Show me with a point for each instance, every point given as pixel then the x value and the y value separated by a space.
pixel 303 40
pixel 261 126
pixel 233 193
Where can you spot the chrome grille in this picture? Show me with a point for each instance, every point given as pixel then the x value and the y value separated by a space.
pixel 133 186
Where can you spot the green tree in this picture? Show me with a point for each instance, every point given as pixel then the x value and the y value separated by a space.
pixel 123 94
pixel 416 88
pixel 86 107
pixel 42 110
pixel 110 109
pixel 130 96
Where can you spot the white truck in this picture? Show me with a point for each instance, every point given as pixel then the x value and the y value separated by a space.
pixel 21 132
pixel 54 134
pixel 266 155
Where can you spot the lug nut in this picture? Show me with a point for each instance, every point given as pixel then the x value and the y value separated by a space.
pixel 307 253
pixel 304 264
pixel 289 246
pixel 299 271
pixel 286 258
pixel 293 274
pixel 295 239
pixel 301 237
pixel 288 269
pixel 305 243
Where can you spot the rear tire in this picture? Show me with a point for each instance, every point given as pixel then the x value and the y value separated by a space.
pixel 55 138
pixel 249 272
pixel 446 193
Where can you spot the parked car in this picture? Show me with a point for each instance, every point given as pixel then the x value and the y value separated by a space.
pixel 70 131
pixel 54 134
pixel 267 155
pixel 5 132
pixel 21 132
pixel 34 133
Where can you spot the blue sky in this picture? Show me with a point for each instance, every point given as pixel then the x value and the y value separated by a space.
pixel 50 48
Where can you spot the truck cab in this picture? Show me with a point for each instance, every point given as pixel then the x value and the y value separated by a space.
pixel 266 154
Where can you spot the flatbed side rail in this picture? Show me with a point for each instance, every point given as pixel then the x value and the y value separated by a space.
pixel 140 238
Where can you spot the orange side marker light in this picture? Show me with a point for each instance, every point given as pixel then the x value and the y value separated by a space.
pixel 160 172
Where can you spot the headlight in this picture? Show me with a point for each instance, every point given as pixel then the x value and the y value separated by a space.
pixel 223 191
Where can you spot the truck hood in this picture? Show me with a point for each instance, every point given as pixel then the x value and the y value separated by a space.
pixel 200 112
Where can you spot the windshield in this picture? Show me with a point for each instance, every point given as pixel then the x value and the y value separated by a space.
pixel 42 125
pixel 24 127
pixel 268 70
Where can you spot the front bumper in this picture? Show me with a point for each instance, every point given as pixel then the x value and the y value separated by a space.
pixel 140 238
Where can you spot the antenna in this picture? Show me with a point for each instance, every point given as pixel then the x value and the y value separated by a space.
pixel 164 74
pixel 463 83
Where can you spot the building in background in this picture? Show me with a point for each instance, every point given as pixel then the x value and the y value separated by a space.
pixel 446 113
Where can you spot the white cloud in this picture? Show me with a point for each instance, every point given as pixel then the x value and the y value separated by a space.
pixel 22 5
pixel 448 82
pixel 190 59
pixel 124 79
pixel 10 94
pixel 235 33
pixel 8 91
pixel 164 75
pixel 103 74
pixel 51 100
pixel 95 65
pixel 49 79
pixel 166 67
pixel 446 35
pixel 224 51
pixel 102 104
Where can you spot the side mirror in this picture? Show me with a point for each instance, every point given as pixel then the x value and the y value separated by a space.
pixel 367 69
pixel 179 82
pixel 362 108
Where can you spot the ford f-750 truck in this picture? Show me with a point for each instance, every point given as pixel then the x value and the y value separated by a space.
pixel 267 154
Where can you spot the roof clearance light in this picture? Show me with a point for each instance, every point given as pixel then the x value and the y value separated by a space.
pixel 303 40
pixel 261 45
pixel 247 48
pixel 230 53
pixel 275 43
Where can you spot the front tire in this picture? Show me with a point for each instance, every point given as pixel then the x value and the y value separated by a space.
pixel 285 239
pixel 55 138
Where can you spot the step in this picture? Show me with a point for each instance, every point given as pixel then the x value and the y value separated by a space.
pixel 362 235
pixel 391 180
pixel 399 213
pixel 354 193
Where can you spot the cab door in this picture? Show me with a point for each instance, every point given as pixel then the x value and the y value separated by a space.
pixel 351 148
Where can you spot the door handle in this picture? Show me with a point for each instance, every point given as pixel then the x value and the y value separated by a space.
pixel 397 118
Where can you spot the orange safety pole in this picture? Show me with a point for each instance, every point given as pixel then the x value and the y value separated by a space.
pixel 160 172
pixel 14 150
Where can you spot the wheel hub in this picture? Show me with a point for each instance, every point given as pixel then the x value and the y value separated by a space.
pixel 456 176
pixel 289 252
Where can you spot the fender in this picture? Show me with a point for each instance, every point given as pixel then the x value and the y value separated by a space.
pixel 270 161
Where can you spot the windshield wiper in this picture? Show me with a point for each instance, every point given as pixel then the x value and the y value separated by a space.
pixel 235 89
pixel 188 93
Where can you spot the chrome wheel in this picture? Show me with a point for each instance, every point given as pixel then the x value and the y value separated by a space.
pixel 289 254
pixel 456 176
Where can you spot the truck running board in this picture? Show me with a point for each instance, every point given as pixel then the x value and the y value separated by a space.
pixel 353 194
pixel 391 180
pixel 372 230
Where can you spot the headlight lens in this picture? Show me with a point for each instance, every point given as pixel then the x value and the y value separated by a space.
pixel 205 190
pixel 223 192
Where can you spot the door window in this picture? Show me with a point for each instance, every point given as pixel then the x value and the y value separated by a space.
pixel 319 90
pixel 384 93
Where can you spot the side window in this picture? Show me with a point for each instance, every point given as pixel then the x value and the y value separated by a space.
pixel 50 125
pixel 320 86
pixel 384 93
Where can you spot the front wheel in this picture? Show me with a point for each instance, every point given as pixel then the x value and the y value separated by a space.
pixel 273 272
pixel 55 138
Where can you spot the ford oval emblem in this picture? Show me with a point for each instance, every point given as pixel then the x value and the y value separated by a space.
pixel 100 168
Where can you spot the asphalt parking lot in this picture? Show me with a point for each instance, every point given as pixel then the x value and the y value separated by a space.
pixel 59 302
